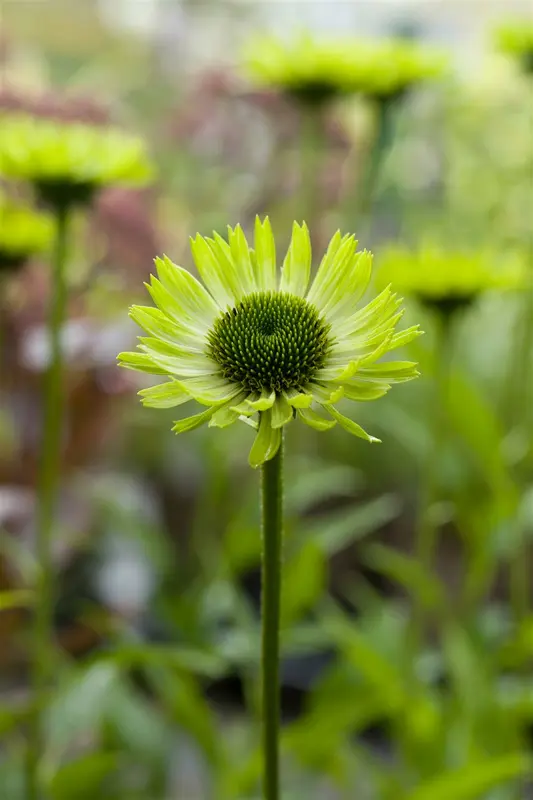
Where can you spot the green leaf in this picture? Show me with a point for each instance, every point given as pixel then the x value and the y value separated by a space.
pixel 335 532
pixel 79 707
pixel 303 581
pixel 83 778
pixel 18 598
pixel 475 780
pixel 190 659
pixel 406 571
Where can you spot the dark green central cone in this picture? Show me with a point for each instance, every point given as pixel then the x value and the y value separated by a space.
pixel 270 340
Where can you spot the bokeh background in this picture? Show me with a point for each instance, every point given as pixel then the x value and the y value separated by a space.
pixel 156 542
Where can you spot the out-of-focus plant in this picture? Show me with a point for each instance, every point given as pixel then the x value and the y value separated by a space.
pixel 256 342
pixel 24 233
pixel 516 39
pixel 66 164
pixel 447 283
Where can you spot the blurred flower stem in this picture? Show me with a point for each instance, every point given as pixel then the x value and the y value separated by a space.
pixel 522 422
pixel 426 532
pixel 272 538
pixel 50 470
pixel 311 149
pixel 366 193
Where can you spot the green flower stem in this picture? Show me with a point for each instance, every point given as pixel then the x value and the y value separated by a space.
pixel 272 518
pixel 426 534
pixel 50 470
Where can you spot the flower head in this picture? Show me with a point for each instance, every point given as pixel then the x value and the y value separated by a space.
pixel 254 342
pixel 69 162
pixel 23 233
pixel 516 39
pixel 315 71
pixel 447 280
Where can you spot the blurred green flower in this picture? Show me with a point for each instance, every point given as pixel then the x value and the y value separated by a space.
pixel 516 39
pixel 23 233
pixel 447 280
pixel 258 342
pixel 316 70
pixel 69 162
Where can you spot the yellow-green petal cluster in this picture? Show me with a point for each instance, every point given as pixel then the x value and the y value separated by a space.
pixel 262 343
pixel 315 70
pixel 69 162
pixel 23 233
pixel 516 39
pixel 448 279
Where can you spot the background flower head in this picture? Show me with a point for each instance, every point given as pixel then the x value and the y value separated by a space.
pixel 23 233
pixel 257 342
pixel 516 39
pixel 447 279
pixel 69 162
pixel 315 70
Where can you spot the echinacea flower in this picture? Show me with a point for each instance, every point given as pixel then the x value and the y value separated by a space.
pixel 254 342
pixel 23 234
pixel 516 39
pixel 448 281
pixel 317 70
pixel 69 162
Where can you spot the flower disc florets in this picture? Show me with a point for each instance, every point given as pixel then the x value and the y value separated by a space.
pixel 270 340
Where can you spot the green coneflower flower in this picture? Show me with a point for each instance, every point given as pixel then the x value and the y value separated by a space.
pixel 252 342
pixel 516 39
pixel 315 71
pixel 69 162
pixel 23 234
pixel 448 281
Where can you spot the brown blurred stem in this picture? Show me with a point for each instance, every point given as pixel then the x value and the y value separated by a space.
pixel 50 469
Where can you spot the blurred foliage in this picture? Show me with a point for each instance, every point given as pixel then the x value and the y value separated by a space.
pixel 157 546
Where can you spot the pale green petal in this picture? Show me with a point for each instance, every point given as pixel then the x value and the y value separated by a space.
pixel 405 337
pixel 281 412
pixel 340 251
pixel 240 252
pixel 215 275
pixel 245 408
pixel 337 374
pixel 241 280
pixel 327 393
pixel 349 288
pixel 176 363
pixel 297 264
pixel 298 399
pixel 142 362
pixel 190 423
pixel 390 371
pixel 196 302
pixel 265 401
pixel 155 322
pixel 371 315
pixel 250 422
pixel 314 420
pixel 350 425
pixel 266 443
pixel 190 326
pixel 165 395
pixel 363 391
pixel 226 415
pixel 211 390
pixel 265 252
